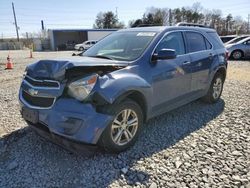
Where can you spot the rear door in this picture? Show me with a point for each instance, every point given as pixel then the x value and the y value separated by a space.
pixel 202 55
pixel 171 78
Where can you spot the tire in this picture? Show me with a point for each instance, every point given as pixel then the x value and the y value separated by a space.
pixel 119 136
pixel 215 89
pixel 237 55
pixel 81 49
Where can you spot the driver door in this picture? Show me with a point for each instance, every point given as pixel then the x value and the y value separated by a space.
pixel 171 78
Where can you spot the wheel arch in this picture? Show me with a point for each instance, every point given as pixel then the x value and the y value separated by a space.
pixel 136 96
pixel 221 71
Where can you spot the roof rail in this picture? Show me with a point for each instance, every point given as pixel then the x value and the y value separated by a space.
pixel 148 25
pixel 191 24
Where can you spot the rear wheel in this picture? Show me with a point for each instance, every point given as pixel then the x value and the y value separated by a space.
pixel 237 55
pixel 215 90
pixel 123 131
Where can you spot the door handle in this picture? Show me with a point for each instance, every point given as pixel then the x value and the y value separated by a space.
pixel 186 63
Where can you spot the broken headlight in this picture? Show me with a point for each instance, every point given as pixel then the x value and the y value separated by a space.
pixel 80 89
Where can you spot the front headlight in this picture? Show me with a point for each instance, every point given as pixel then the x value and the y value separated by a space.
pixel 25 72
pixel 80 89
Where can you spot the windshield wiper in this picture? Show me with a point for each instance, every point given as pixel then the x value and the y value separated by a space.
pixel 102 56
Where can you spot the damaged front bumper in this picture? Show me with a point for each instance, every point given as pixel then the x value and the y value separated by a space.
pixel 68 144
pixel 67 118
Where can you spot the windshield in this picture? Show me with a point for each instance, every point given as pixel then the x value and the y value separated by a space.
pixel 121 46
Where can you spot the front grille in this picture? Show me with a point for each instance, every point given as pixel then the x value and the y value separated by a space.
pixel 41 83
pixel 44 102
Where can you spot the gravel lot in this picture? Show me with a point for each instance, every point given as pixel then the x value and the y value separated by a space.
pixel 197 145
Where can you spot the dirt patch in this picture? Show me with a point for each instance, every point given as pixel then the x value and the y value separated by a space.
pixel 239 70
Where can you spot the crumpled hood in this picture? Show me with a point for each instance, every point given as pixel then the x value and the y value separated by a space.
pixel 55 69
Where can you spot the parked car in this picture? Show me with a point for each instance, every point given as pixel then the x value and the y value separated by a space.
pixel 239 49
pixel 104 96
pixel 227 38
pixel 85 45
pixel 236 39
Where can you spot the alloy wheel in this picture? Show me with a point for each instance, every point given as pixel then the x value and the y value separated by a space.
pixel 217 88
pixel 124 127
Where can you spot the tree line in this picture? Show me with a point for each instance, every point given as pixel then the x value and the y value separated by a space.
pixel 166 17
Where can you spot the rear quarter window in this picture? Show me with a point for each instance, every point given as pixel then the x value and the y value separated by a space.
pixel 215 39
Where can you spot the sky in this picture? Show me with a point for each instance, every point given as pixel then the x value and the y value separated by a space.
pixel 82 13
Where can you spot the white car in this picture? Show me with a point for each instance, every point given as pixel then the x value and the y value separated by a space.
pixel 239 49
pixel 85 45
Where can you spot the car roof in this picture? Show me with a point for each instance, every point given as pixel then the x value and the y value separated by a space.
pixel 226 36
pixel 159 29
pixel 241 37
pixel 243 40
pixel 90 41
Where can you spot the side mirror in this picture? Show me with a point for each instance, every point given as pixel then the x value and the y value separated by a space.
pixel 164 54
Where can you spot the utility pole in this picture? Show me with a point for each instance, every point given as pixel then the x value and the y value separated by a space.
pixel 248 19
pixel 13 8
pixel 116 12
pixel 42 24
pixel 170 17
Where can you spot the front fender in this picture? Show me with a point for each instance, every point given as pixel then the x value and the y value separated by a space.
pixel 112 86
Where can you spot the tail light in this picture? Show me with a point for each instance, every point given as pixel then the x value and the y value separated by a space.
pixel 227 55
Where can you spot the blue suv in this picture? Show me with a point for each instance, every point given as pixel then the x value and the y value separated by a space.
pixel 104 96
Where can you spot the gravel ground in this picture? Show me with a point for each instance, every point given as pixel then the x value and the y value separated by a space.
pixel 197 145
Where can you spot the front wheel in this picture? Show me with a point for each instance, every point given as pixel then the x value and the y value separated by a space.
pixel 123 131
pixel 215 90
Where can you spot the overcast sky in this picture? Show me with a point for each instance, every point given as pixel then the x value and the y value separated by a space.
pixel 82 13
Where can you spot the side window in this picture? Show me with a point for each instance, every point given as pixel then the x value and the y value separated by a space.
pixel 247 42
pixel 88 43
pixel 195 42
pixel 172 41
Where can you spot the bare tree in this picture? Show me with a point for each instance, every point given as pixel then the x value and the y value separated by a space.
pixel 194 14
